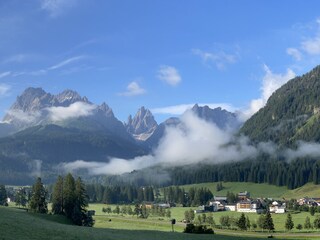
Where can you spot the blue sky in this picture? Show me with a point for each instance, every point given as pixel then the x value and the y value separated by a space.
pixel 163 55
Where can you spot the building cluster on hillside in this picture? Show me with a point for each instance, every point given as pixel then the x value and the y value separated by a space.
pixel 244 204
pixel 311 202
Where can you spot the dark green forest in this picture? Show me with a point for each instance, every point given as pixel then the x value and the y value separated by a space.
pixel 276 172
pixel 292 113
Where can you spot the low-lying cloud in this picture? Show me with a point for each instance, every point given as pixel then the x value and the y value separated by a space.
pixel 77 109
pixel 24 117
pixel 194 140
pixel 304 149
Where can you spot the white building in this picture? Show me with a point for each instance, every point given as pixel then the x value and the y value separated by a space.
pixel 231 208
pixel 277 207
pixel 248 207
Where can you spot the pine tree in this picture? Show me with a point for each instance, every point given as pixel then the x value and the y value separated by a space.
pixel 316 222
pixel 307 223
pixel 289 223
pixel 268 222
pixel 299 227
pixel 38 202
pixel 57 197
pixel 248 223
pixel 81 203
pixel 312 210
pixel 3 195
pixel 261 221
pixel 68 195
pixel 242 222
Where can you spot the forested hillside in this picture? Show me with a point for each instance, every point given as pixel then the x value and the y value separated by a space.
pixel 292 113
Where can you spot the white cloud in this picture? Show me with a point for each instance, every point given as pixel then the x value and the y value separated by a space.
pixel 20 116
pixel 5 74
pixel 312 46
pixel 303 149
pixel 57 7
pixel 219 59
pixel 115 166
pixel 77 109
pixel 270 83
pixel 295 53
pixel 133 89
pixel 66 62
pixel 194 141
pixel 4 89
pixel 181 108
pixel 44 71
pixel 169 74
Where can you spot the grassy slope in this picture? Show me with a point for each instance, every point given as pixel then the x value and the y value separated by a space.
pixel 261 190
pixel 18 224
pixel 256 190
pixel 308 190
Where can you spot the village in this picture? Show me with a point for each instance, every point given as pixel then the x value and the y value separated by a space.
pixel 246 204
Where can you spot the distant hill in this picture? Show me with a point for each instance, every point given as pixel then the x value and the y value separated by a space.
pixel 292 113
pixel 51 145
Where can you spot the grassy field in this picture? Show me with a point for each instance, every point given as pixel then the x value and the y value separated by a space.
pixel 261 190
pixel 178 214
pixel 18 224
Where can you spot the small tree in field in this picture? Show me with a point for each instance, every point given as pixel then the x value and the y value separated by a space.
pixel 316 222
pixel 248 223
pixel 299 226
pixel 268 224
pixel 242 222
pixel 289 223
pixel 307 223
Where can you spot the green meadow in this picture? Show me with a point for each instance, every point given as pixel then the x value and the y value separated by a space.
pixel 260 190
pixel 19 224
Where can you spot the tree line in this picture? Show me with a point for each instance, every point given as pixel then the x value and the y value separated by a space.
pixel 124 194
pixel 275 171
pixel 139 210
pixel 194 197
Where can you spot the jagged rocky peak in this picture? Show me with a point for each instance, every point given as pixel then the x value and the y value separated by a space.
pixel 32 99
pixel 106 109
pixel 142 125
pixel 221 117
pixel 68 97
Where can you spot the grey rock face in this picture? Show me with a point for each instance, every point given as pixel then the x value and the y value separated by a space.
pixel 142 125
pixel 31 109
pixel 222 118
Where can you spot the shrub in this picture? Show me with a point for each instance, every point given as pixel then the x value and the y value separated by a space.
pixel 200 229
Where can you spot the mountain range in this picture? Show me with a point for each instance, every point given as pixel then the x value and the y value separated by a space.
pixel 67 127
pixel 52 129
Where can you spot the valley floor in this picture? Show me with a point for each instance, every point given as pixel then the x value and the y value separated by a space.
pixel 19 224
